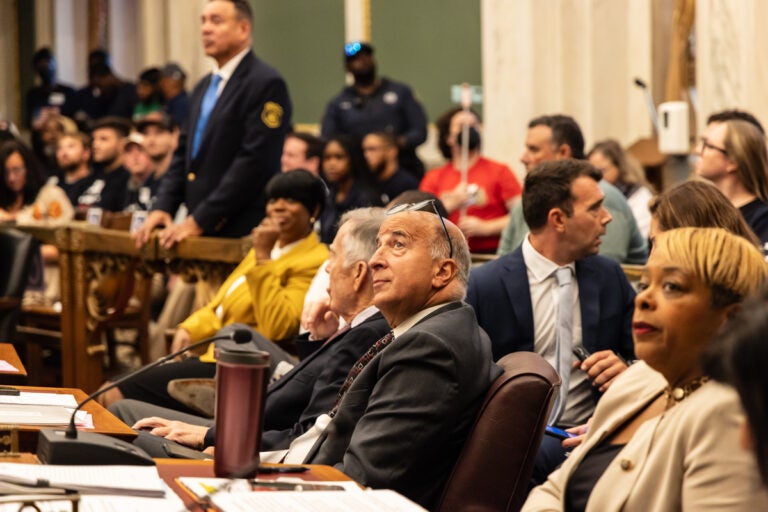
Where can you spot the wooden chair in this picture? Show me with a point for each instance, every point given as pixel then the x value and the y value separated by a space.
pixel 494 468
pixel 16 253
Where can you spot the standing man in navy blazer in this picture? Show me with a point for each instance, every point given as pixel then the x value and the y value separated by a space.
pixel 516 296
pixel 232 140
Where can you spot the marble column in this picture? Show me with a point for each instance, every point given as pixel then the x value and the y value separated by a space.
pixel 10 94
pixel 731 57
pixel 357 20
pixel 577 57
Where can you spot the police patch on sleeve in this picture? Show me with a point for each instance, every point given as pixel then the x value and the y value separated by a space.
pixel 272 114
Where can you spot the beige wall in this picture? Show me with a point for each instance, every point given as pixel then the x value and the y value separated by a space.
pixel 732 56
pixel 577 57
pixel 10 98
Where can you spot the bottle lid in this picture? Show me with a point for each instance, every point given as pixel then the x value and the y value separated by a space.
pixel 250 357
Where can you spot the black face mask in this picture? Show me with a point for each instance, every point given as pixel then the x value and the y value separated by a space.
pixel 474 138
pixel 365 77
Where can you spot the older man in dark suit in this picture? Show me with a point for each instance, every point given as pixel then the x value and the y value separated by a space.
pixel 523 302
pixel 403 418
pixel 296 399
pixel 232 141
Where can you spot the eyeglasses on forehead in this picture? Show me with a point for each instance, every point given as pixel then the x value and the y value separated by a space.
pixel 429 206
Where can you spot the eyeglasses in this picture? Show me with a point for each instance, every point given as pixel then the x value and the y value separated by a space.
pixel 424 206
pixel 705 144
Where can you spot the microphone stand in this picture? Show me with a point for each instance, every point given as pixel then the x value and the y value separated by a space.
pixel 53 448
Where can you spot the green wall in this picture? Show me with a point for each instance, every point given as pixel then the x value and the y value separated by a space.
pixel 428 44
pixel 304 40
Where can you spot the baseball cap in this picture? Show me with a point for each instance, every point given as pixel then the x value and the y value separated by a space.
pixel 134 138
pixel 173 70
pixel 354 48
pixel 159 119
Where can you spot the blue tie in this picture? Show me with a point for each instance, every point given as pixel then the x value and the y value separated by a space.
pixel 209 100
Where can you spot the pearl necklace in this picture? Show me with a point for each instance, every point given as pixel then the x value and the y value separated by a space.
pixel 680 393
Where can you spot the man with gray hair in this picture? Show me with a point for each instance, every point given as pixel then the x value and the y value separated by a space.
pixel 296 399
pixel 407 406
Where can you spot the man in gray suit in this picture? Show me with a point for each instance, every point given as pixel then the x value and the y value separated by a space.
pixel 402 419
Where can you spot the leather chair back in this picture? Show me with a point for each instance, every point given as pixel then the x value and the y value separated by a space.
pixel 16 251
pixel 494 468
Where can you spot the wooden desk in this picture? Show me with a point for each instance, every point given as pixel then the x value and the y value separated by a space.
pixel 9 355
pixel 171 469
pixel 104 422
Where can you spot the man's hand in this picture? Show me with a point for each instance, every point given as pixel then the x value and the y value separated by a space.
pixel 321 322
pixel 264 237
pixel 602 368
pixel 473 226
pixel 181 339
pixel 154 219
pixel 456 198
pixel 178 431
pixel 178 232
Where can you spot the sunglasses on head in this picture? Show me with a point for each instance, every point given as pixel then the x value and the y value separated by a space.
pixel 424 206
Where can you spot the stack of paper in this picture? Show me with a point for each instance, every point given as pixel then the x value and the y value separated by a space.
pixel 331 501
pixel 125 480
pixel 42 409
pixel 107 503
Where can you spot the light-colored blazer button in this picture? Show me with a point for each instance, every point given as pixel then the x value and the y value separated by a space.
pixel 626 464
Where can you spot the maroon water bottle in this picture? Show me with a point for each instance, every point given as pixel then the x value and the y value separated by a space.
pixel 241 387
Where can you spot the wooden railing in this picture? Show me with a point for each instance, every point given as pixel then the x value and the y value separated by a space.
pixel 98 268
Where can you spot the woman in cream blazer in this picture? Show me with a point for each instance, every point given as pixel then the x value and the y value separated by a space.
pixel 679 431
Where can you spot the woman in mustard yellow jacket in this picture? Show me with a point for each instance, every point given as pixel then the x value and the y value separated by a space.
pixel 266 290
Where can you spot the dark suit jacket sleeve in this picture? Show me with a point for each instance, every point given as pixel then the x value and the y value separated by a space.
pixel 337 362
pixel 171 192
pixel 626 343
pixel 250 170
pixel 329 125
pixel 416 119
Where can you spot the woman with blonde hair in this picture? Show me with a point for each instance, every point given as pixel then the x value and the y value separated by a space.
pixel 733 156
pixel 625 173
pixel 664 436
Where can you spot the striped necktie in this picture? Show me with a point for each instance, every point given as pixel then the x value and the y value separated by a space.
pixel 358 367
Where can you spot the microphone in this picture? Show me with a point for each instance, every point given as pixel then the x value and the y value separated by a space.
pixel 649 102
pixel 72 447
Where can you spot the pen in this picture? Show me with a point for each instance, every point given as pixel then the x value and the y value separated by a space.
pixel 266 485
pixel 9 391
pixel 282 469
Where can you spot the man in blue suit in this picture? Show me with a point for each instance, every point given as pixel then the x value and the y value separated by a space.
pixel 517 297
pixel 232 140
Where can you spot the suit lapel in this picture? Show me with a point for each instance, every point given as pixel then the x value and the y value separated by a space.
pixel 519 293
pixel 231 88
pixel 311 357
pixel 589 301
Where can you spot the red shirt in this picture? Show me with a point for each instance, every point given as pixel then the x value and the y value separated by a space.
pixel 496 184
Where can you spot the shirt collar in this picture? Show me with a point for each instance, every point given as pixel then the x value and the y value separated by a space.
pixel 413 320
pixel 277 252
pixel 538 265
pixel 226 71
pixel 363 316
